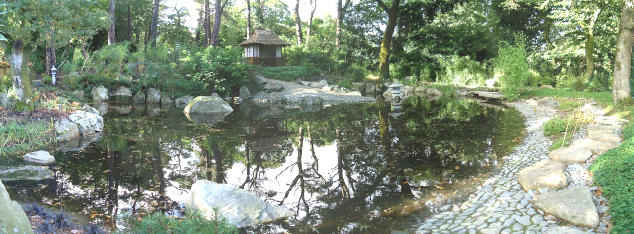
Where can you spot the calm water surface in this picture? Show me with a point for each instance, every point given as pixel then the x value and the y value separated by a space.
pixel 344 168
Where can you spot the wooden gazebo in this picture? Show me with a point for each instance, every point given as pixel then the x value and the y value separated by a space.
pixel 264 48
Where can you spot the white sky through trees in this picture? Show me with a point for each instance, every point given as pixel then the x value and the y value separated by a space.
pixel 324 7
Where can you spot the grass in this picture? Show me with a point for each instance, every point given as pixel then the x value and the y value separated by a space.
pixel 21 137
pixel 604 98
pixel 614 172
pixel 561 129
pixel 191 223
pixel 288 73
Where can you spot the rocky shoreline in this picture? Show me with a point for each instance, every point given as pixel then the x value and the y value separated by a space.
pixel 501 205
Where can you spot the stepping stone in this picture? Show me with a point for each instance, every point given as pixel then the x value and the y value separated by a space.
pixel 544 174
pixel 570 155
pixel 596 147
pixel 605 137
pixel 563 230
pixel 39 157
pixel 573 205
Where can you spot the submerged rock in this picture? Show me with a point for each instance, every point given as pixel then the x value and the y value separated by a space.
pixel 122 95
pixel 570 155
pixel 153 96
pixel 240 207
pixel 544 174
pixel 66 130
pixel 39 157
pixel 99 94
pixel 13 218
pixel 207 104
pixel 573 205
pixel 25 173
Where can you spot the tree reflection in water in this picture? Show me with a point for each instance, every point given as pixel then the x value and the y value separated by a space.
pixel 345 168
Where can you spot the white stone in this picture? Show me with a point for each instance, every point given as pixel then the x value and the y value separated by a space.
pixel 573 205
pixel 153 96
pixel 39 157
pixel 88 123
pixel 99 94
pixel 66 130
pixel 569 155
pixel 544 174
pixel 13 218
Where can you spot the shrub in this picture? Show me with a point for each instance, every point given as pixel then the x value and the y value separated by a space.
pixel 302 56
pixel 192 223
pixel 222 69
pixel 559 125
pixel 290 73
pixel 614 172
pixel 20 137
pixel 355 73
pixel 108 61
pixel 512 64
pixel 462 71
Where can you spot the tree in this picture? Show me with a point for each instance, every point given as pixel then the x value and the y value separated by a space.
pixel 154 23
pixel 623 60
pixel 206 24
pixel 248 19
pixel 215 33
pixel 392 9
pixel 341 9
pixel 111 32
pixel 313 3
pixel 298 24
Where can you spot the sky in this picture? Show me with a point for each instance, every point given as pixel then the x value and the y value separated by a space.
pixel 324 7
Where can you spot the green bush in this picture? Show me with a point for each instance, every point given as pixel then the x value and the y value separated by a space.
pixel 614 172
pixel 290 73
pixel 355 73
pixel 462 71
pixel 20 137
pixel 559 125
pixel 511 63
pixel 192 223
pixel 222 69
pixel 302 56
pixel 109 60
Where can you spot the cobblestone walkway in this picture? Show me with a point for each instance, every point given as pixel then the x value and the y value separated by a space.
pixel 500 205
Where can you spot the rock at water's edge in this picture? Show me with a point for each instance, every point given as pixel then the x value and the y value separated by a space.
pixel 183 101
pixel 207 104
pixel 544 174
pixel 99 94
pixel 240 207
pixel 570 155
pixel 88 123
pixel 39 157
pixel 153 96
pixel 66 130
pixel 29 172
pixel 13 218
pixel 139 98
pixel 573 205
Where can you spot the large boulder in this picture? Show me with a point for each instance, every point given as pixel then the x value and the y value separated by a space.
pixel 606 137
pixel 596 147
pixel 570 155
pixel 122 95
pixel 13 218
pixel 153 96
pixel 573 205
pixel 39 157
pixel 88 123
pixel 319 84
pixel 181 102
pixel 433 92
pixel 544 174
pixel 101 108
pixel 139 98
pixel 244 92
pixel 240 207
pixel 207 104
pixel 273 86
pixel 99 94
pixel 90 109
pixel 35 173
pixel 66 130
pixel 261 79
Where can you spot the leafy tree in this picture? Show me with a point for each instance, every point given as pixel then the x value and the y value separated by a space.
pixel 512 65
pixel 623 60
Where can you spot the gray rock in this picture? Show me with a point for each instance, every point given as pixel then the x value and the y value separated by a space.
pixel 573 205
pixel 261 79
pixel 244 92
pixel 122 95
pixel 181 102
pixel 569 155
pixel 273 86
pixel 433 92
pixel 606 137
pixel 99 94
pixel 319 84
pixel 563 230
pixel 596 147
pixel 13 218
pixel 238 206
pixel 29 172
pixel 88 123
pixel 66 130
pixel 139 98
pixel 358 86
pixel 326 88
pixel 304 83
pixel 122 109
pixel 39 157
pixel 153 96
pixel 370 88
pixel 100 108
pixel 166 102
pixel 206 105
pixel 544 174
pixel 4 101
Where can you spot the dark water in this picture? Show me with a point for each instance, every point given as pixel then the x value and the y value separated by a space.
pixel 344 168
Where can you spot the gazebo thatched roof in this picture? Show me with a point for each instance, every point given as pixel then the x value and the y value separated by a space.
pixel 265 37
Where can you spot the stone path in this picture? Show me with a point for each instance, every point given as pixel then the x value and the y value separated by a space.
pixel 500 205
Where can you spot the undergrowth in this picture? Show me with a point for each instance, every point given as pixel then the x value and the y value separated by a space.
pixel 20 137
pixel 191 223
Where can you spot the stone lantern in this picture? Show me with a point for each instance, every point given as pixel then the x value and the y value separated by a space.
pixel 53 73
pixel 396 89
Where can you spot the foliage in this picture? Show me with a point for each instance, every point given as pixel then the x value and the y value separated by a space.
pixel 512 66
pixel 289 73
pixel 221 68
pixel 462 71
pixel 22 136
pixel 108 61
pixel 614 172
pixel 192 223
pixel 605 98
pixel 559 125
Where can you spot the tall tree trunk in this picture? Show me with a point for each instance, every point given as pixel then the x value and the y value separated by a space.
pixel 386 42
pixel 298 24
pixel 111 28
pixel 130 23
pixel 623 60
pixel 17 62
pixel 248 19
pixel 590 45
pixel 50 52
pixel 310 20
pixel 154 23
pixel 340 14
pixel 215 33
pixel 207 24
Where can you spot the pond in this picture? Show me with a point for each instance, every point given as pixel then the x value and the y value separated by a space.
pixel 343 168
